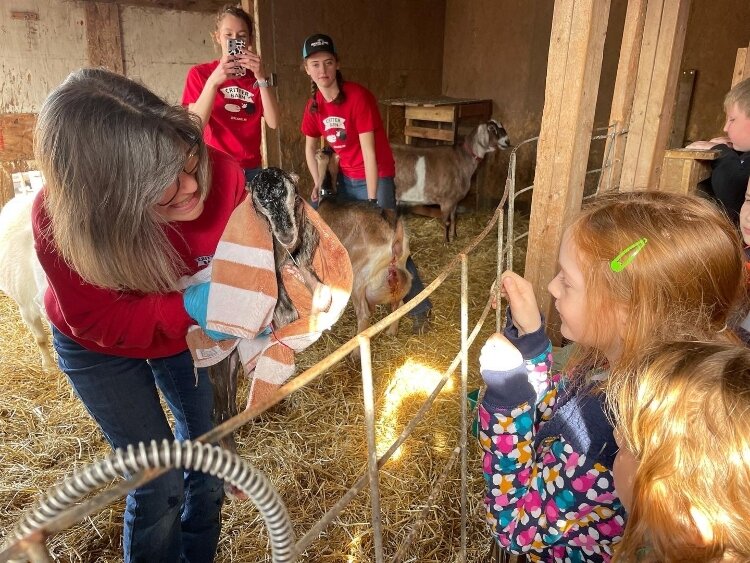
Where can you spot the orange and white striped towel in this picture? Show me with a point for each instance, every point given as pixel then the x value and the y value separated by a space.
pixel 243 293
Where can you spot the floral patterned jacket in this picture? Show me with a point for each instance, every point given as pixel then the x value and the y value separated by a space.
pixel 548 454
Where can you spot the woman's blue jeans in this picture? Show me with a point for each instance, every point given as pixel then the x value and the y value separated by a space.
pixel 348 189
pixel 176 517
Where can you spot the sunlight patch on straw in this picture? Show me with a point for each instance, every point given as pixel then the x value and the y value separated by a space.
pixel 410 380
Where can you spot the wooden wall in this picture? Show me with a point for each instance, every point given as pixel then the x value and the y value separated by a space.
pixel 715 31
pixel 42 41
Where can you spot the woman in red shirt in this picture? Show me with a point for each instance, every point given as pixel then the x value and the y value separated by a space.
pixel 346 114
pixel 133 201
pixel 229 100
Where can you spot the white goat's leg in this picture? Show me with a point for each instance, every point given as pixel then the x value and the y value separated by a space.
pixel 33 319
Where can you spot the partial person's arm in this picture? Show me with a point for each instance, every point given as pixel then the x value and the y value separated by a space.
pixel 254 64
pixel 311 147
pixel 204 104
pixel 367 142
pixel 708 145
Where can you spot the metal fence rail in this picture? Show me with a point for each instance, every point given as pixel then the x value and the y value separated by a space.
pixel 33 544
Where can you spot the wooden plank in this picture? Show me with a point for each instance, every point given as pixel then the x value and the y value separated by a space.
pixel 210 6
pixel 429 133
pixel 681 108
pixel 622 97
pixel 692 154
pixel 104 36
pixel 573 70
pixel 17 136
pixel 741 67
pixel 440 113
pixel 642 87
pixel 658 71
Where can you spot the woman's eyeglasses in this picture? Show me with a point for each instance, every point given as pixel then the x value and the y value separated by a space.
pixel 191 166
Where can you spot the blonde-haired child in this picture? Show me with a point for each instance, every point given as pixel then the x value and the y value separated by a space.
pixel 730 172
pixel 683 468
pixel 635 269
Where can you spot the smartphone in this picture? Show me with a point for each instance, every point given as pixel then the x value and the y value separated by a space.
pixel 235 47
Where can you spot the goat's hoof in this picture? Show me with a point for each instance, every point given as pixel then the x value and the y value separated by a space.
pixel 422 323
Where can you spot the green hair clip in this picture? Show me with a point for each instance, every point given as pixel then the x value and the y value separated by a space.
pixel 622 260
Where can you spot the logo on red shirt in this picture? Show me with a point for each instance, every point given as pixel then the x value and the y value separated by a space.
pixel 335 130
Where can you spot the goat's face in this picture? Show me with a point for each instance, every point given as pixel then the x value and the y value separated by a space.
pixel 275 196
pixel 497 135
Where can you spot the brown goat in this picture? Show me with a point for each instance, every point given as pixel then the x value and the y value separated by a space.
pixel 442 175
pixel 376 241
pixel 378 248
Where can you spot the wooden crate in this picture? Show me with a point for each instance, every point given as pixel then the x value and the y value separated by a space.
pixel 438 119
pixel 683 169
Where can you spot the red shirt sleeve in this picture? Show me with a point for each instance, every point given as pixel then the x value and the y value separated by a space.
pixel 194 83
pixel 365 113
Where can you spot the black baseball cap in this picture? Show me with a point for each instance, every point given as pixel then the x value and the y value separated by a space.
pixel 317 43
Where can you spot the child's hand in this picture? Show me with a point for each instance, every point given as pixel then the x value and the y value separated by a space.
pixel 523 306
pixel 498 354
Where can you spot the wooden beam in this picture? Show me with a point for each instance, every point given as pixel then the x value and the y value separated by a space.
pixel 653 102
pixel 211 6
pixel 622 97
pixel 104 36
pixel 741 66
pixel 681 108
pixel 573 70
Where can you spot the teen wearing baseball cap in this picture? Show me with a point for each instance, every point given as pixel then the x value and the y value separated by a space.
pixel 346 114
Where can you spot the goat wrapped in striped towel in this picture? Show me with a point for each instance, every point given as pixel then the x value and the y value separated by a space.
pixel 279 278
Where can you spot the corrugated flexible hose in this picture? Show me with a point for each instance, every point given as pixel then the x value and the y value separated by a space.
pixel 188 455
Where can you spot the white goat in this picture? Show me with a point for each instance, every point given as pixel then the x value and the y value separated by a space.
pixel 442 175
pixel 21 275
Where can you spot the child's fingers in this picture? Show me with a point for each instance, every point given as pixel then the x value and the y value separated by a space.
pixel 523 305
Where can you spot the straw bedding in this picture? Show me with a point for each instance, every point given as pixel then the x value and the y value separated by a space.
pixel 312 445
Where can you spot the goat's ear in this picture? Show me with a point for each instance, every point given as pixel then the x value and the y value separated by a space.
pixel 397 246
pixel 294 177
pixel 483 136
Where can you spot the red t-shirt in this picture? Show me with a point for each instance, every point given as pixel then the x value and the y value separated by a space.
pixel 132 324
pixel 341 126
pixel 234 125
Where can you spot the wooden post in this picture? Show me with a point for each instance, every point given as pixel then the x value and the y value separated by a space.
pixel 656 84
pixel 741 66
pixel 573 69
pixel 104 36
pixel 622 97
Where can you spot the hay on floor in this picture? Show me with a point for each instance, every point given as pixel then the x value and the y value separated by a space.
pixel 312 445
